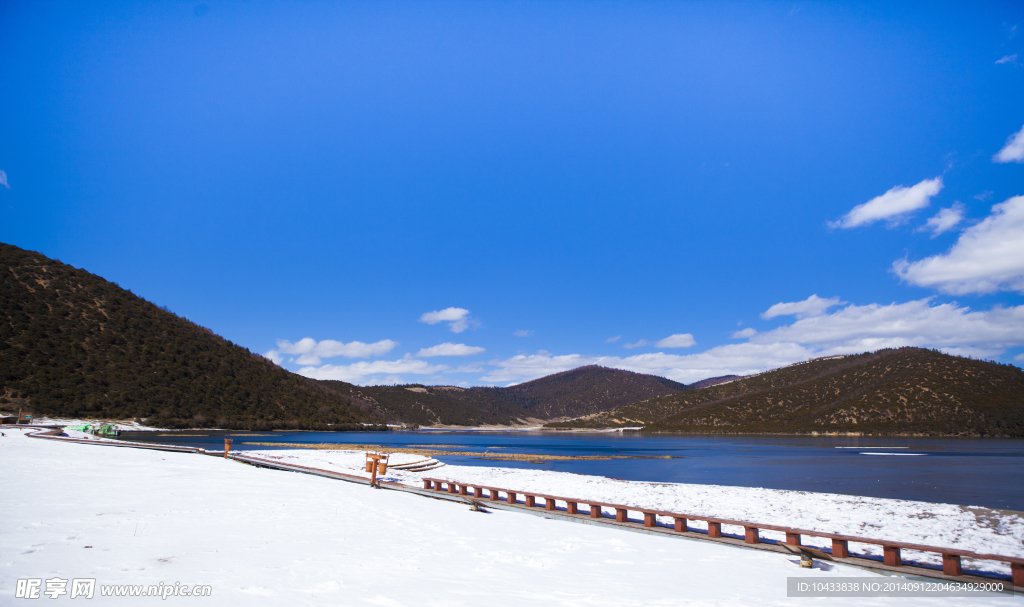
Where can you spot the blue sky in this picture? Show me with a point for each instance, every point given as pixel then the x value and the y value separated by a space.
pixel 488 192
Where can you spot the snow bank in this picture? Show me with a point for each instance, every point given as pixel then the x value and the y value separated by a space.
pixel 977 529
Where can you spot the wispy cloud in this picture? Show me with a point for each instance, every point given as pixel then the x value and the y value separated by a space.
pixel 988 257
pixel 892 206
pixel 3 180
pixel 945 220
pixel 1013 151
pixel 1006 59
pixel 984 195
pixel 745 333
pixel 638 344
pixel 812 306
pixel 612 340
pixel 310 351
pixel 449 349
pixel 679 340
pixel 523 333
pixel 375 372
pixel 457 318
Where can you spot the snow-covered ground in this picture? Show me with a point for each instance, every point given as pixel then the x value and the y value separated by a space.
pixel 265 537
pixel 977 529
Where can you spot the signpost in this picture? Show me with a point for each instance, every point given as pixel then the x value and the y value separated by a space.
pixel 376 462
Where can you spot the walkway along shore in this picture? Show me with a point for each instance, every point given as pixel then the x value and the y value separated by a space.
pixel 475 495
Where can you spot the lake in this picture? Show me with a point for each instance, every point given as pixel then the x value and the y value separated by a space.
pixel 967 471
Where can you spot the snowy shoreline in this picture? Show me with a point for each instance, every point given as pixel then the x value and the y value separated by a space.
pixel 259 536
pixel 977 529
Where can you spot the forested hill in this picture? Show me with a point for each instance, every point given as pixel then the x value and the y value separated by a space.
pixel 577 392
pixel 900 391
pixel 74 344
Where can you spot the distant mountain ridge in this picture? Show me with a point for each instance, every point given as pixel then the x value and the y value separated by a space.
pixel 581 391
pixel 900 391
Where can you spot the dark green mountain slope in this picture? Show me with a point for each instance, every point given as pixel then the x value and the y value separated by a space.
pixel 909 390
pixel 74 344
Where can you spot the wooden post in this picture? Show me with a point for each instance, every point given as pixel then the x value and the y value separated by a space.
pixel 650 519
pixel 494 494
pixel 463 490
pixel 451 487
pixel 751 535
pixel 531 501
pixel 570 508
pixel 680 524
pixel 549 503
pixel 840 549
pixel 793 539
pixel 1017 573
pixel 595 511
pixel 714 529
pixel 427 484
pixel 951 564
pixel 891 556
pixel 620 515
pixel 227 446
pixel 512 498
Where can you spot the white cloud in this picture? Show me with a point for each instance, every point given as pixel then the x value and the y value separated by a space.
pixel 945 220
pixel 1019 358
pixel 679 340
pixel 987 257
pixel 984 195
pixel 523 333
pixel 457 318
pixel 1013 151
pixel 310 351
pixel 3 180
pixel 612 340
pixel 363 372
pixel 812 306
pixel 914 323
pixel 1006 59
pixel 853 329
pixel 892 205
pixel 745 333
pixel 639 344
pixel 449 349
pixel 274 357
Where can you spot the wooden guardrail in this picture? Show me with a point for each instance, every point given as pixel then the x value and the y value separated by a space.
pixel 891 550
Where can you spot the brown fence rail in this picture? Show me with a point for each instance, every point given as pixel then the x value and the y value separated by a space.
pixel 891 550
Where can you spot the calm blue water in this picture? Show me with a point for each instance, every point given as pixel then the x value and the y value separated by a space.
pixel 977 472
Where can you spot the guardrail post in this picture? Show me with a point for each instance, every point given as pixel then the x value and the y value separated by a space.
pixel 680 524
pixel 751 535
pixel 620 515
pixel 840 549
pixel 650 519
pixel 1017 572
pixel 531 501
pixel 549 503
pixel 451 487
pixel 951 564
pixel 891 556
pixel 427 484
pixel 595 511
pixel 463 490
pixel 570 508
pixel 493 494
pixel 793 539
pixel 227 446
pixel 714 529
pixel 512 498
